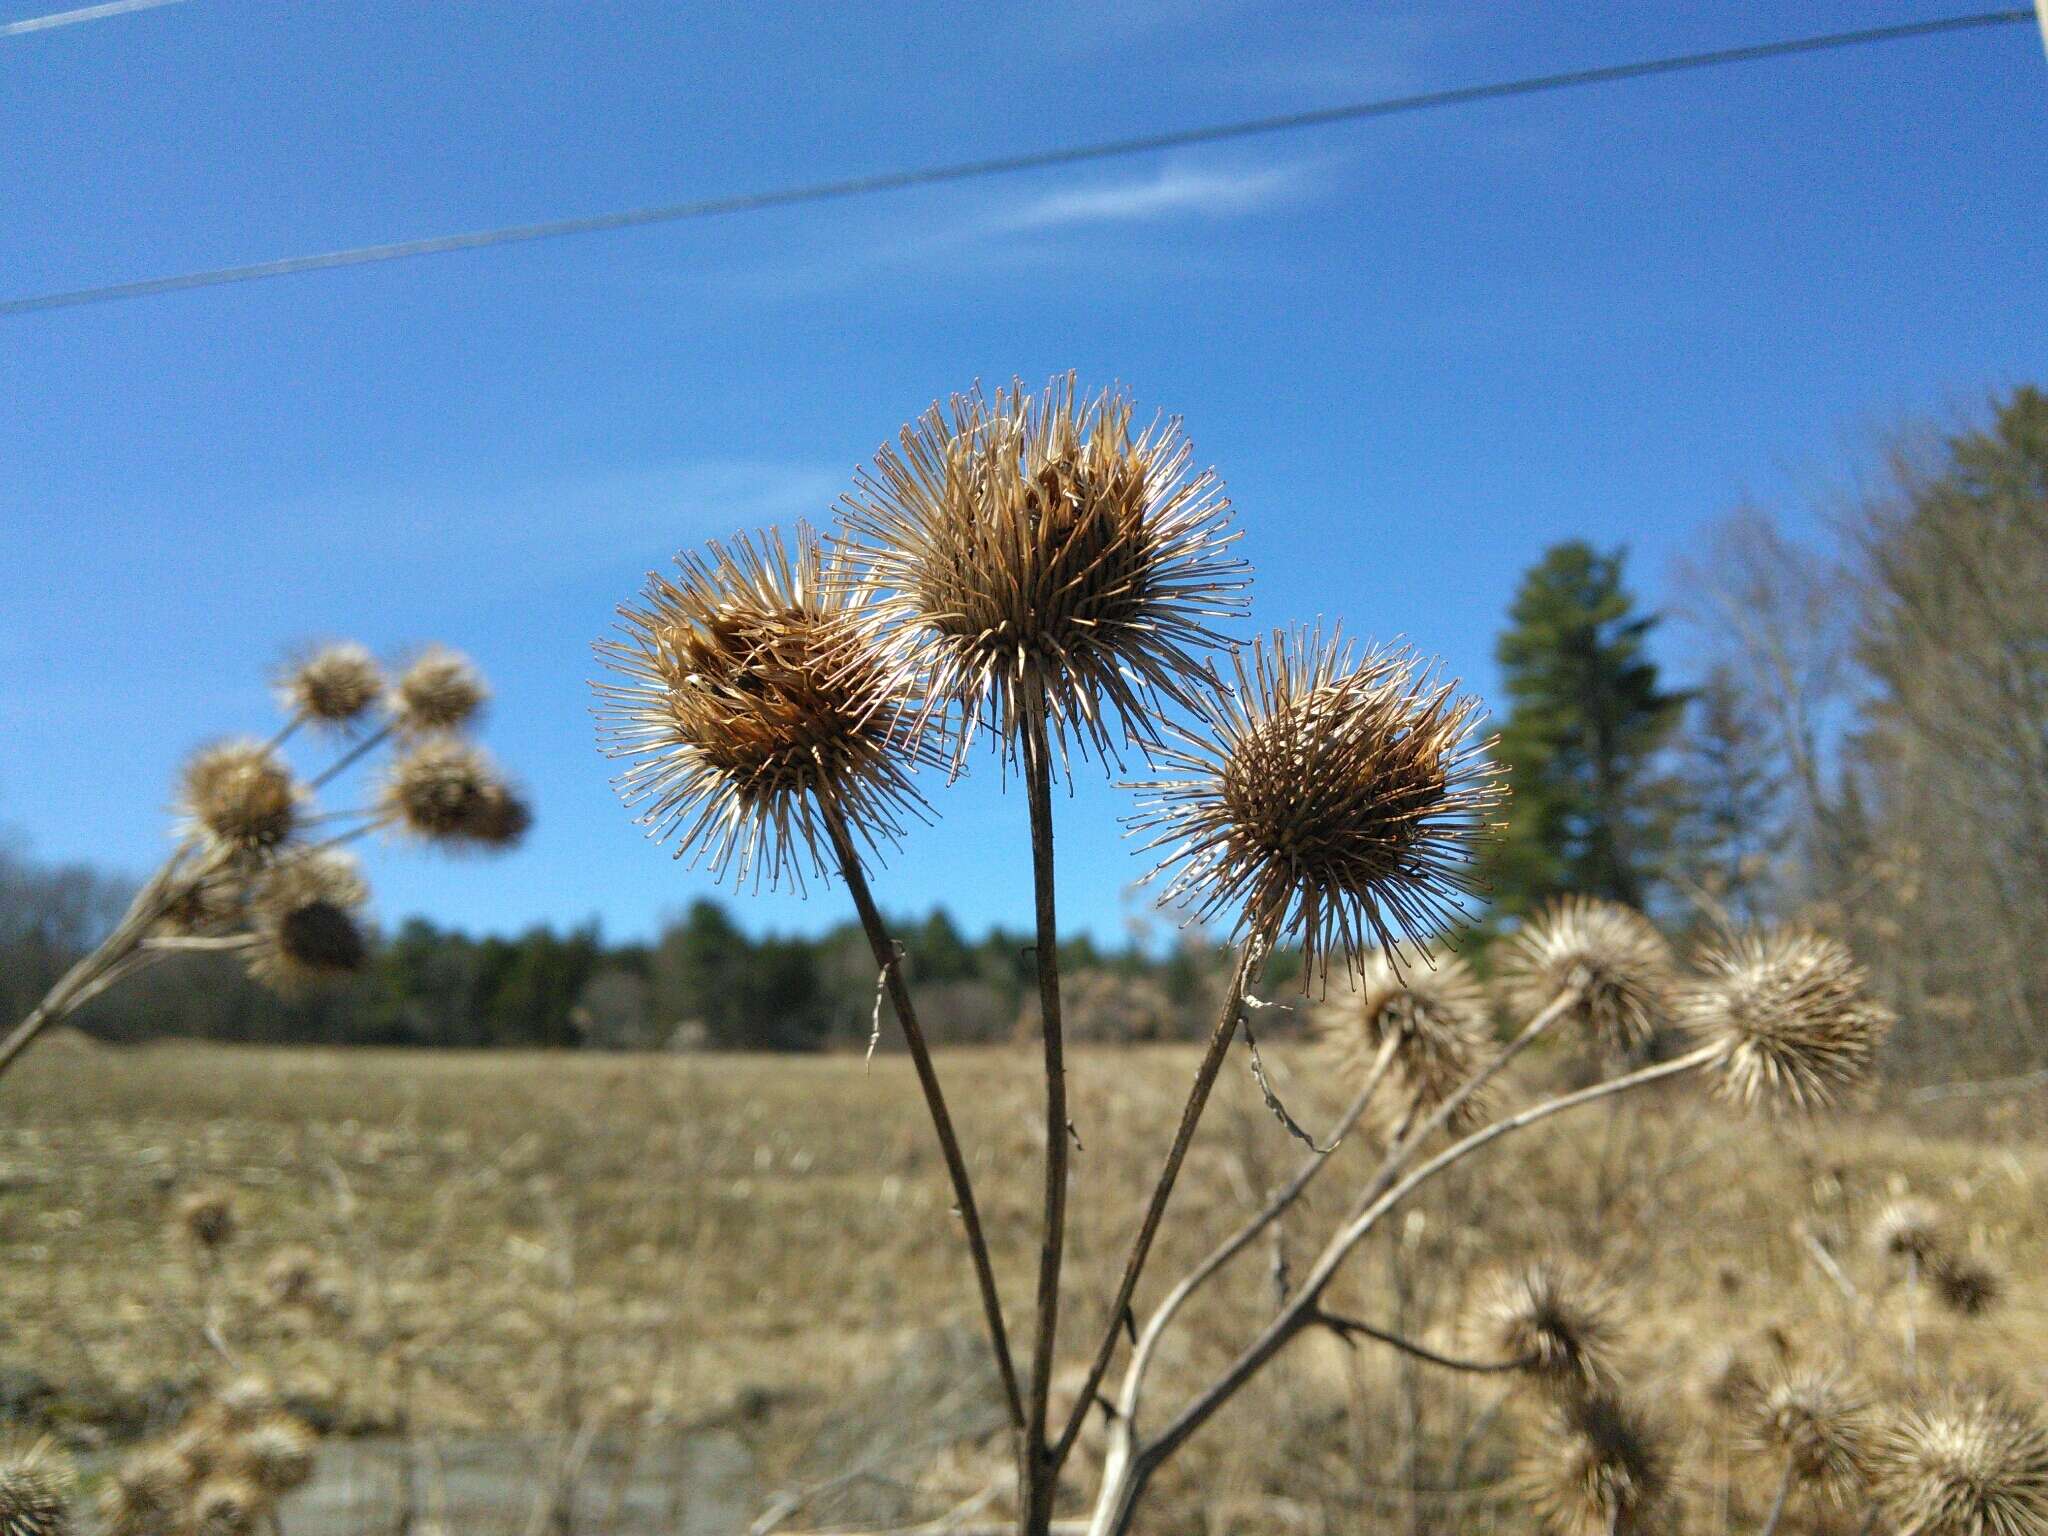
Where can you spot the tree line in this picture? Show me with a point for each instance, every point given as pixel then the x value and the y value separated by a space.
pixel 1858 738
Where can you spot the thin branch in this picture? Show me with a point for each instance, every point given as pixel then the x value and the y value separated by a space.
pixel 1346 1327
pixel 886 950
pixel 1300 1313
pixel 1778 1504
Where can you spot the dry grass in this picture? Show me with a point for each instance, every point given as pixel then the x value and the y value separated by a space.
pixel 620 1237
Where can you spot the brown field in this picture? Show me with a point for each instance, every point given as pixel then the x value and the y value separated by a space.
pixel 648 1249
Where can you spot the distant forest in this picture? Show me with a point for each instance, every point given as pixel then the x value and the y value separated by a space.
pixel 703 983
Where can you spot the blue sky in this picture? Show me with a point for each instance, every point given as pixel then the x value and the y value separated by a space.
pixel 1418 350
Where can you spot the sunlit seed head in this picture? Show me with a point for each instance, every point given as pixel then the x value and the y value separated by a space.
pixel 1967 1286
pixel 1039 555
pixel 242 1402
pixel 1610 958
pixel 1905 1230
pixel 146 1494
pixel 1788 1011
pixel 303 913
pixel 1594 1467
pixel 207 1217
pixel 35 1491
pixel 276 1453
pixel 227 1505
pixel 241 795
pixel 1433 1010
pixel 1555 1316
pixel 1965 1461
pixel 440 690
pixel 333 685
pixel 751 706
pixel 451 792
pixel 1818 1421
pixel 1327 799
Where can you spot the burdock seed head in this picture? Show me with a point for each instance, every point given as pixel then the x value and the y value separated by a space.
pixel 1817 1420
pixel 1967 1461
pixel 241 795
pixel 276 1453
pixel 227 1506
pixel 205 904
pixel 35 1492
pixel 451 792
pixel 146 1494
pixel 1788 1012
pixel 1594 1467
pixel 1610 958
pixel 440 691
pixel 207 1217
pixel 1327 799
pixel 1555 1316
pixel 333 685
pixel 1967 1286
pixel 1432 1008
pixel 751 708
pixel 303 913
pixel 1908 1232
pixel 1040 557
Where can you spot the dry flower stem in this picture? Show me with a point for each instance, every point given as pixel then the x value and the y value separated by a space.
pixel 886 955
pixel 1036 1468
pixel 1162 1190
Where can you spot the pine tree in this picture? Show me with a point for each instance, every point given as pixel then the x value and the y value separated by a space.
pixel 1586 718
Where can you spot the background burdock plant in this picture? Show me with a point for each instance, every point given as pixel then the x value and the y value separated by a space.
pixel 259 872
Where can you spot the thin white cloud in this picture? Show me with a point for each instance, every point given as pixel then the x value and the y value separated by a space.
pixel 1174 191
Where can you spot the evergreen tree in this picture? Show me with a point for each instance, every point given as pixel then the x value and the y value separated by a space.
pixel 1585 721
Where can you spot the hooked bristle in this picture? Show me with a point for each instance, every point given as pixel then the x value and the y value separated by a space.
pixel 1555 1317
pixel 1967 1461
pixel 1595 1468
pixel 1433 1010
pixel 35 1491
pixel 1820 1424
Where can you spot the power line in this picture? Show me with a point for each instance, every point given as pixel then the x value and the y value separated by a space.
pixel 1005 165
pixel 82 13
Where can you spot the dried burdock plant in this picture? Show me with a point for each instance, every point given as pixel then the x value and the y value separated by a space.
pixel 291 1276
pixel 1964 1461
pixel 276 1453
pixel 241 796
pixel 1051 577
pixel 256 872
pixel 440 691
pixel 334 685
pixel 761 727
pixel 206 1216
pixel 450 792
pixel 1818 1425
pixel 1612 962
pixel 146 1493
pixel 1907 1231
pixel 226 1505
pixel 1727 1379
pixel 1554 1317
pixel 1594 1466
pixel 1429 1016
pixel 751 710
pixel 1788 1011
pixel 303 915
pixel 1329 797
pixel 1966 1285
pixel 35 1491
pixel 1046 568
